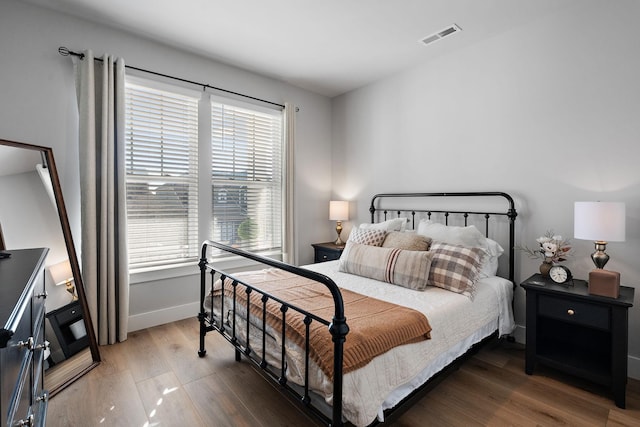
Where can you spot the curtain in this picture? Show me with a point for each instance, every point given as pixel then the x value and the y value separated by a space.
pixel 100 92
pixel 289 248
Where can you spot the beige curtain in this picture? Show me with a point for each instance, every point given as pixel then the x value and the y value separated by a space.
pixel 100 92
pixel 289 252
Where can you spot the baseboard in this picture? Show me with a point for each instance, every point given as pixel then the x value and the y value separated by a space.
pixel 520 335
pixel 633 367
pixel 160 317
pixel 633 362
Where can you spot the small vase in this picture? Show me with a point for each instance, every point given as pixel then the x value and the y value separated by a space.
pixel 545 267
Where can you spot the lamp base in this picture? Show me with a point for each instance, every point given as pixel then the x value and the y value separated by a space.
pixel 604 283
pixel 339 241
pixel 599 257
pixel 71 288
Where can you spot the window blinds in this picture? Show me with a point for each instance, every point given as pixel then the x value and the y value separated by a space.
pixel 247 149
pixel 162 176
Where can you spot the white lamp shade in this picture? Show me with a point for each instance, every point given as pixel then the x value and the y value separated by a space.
pixel 599 221
pixel 338 210
pixel 61 272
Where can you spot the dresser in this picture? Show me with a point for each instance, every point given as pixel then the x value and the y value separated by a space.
pixel 22 345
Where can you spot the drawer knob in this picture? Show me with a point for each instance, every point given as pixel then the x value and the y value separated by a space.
pixel 26 422
pixel 28 343
pixel 570 312
pixel 324 257
pixel 44 346
pixel 42 295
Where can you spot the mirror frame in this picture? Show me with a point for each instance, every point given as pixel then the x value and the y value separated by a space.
pixel 47 152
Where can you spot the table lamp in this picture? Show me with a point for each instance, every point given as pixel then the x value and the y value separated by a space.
pixel 601 222
pixel 62 275
pixel 338 211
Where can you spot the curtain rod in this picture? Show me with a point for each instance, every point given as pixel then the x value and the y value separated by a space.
pixel 66 52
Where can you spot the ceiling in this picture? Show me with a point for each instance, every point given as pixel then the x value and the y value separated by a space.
pixel 329 47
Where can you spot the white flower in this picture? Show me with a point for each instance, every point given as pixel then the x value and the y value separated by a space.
pixel 552 247
pixel 549 249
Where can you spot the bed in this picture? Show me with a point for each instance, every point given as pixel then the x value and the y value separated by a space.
pixel 436 304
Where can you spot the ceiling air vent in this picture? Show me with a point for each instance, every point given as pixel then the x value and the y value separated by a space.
pixel 451 29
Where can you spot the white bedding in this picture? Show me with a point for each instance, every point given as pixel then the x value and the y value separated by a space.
pixel 457 323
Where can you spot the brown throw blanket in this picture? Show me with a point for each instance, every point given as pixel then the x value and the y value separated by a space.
pixel 375 326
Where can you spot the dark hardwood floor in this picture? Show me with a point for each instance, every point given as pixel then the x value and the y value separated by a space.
pixel 155 378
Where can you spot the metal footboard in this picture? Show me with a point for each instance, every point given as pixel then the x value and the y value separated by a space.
pixel 337 326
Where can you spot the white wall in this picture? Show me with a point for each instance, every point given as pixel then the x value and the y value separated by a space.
pixel 548 112
pixel 37 105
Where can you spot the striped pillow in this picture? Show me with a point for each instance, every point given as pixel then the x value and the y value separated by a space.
pixel 409 269
pixel 455 267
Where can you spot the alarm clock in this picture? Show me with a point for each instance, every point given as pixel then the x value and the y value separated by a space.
pixel 560 274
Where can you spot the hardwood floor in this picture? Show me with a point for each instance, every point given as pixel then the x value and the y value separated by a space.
pixel 156 378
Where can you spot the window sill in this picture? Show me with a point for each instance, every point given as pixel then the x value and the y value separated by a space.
pixel 229 264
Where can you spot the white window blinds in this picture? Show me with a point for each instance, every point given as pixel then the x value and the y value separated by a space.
pixel 162 176
pixel 247 146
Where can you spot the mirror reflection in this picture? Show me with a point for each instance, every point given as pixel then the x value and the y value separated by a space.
pixel 30 217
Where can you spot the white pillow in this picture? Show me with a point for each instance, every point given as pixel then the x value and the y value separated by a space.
pixel 469 237
pixel 489 267
pixel 396 224
pixel 463 236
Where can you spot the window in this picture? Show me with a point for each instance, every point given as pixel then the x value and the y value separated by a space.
pixel 246 153
pixel 162 176
pixel 167 174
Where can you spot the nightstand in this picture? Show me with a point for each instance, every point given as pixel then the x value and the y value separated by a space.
pixel 577 333
pixel 328 251
pixel 68 324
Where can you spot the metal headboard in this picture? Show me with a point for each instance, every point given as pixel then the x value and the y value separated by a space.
pixel 379 205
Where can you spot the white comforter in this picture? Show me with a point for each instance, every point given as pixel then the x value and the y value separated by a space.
pixel 457 323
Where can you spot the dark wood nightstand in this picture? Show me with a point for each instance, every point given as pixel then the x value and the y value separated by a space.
pixel 68 324
pixel 577 333
pixel 328 251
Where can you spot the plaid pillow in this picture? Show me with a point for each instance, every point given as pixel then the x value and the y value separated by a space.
pixel 455 267
pixel 367 236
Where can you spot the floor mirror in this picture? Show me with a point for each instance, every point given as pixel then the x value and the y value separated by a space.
pixel 33 215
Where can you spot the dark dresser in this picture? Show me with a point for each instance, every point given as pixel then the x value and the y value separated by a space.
pixel 22 346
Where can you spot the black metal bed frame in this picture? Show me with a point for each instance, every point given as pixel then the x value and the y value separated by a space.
pixel 337 326
pixel 511 213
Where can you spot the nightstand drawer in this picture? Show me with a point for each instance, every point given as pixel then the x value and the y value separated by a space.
pixel 69 313
pixel 581 313
pixel 326 255
pixel 328 251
